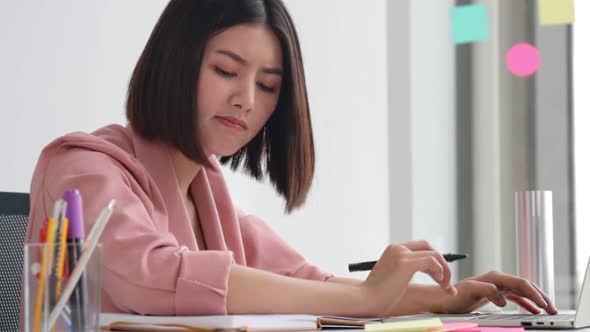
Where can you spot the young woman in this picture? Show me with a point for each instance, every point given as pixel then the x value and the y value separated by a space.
pixel 223 80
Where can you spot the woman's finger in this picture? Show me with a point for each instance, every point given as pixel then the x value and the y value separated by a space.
pixel 428 265
pixel 480 289
pixel 422 245
pixel 516 285
pixel 445 282
pixel 550 309
pixel 521 301
pixel 418 245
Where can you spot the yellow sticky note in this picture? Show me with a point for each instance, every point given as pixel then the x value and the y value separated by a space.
pixel 421 325
pixel 556 12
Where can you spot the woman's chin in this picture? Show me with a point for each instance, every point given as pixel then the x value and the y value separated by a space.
pixel 226 152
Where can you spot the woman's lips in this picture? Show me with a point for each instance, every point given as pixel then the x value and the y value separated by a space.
pixel 231 122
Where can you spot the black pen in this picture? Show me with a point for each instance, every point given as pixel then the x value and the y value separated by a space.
pixel 366 266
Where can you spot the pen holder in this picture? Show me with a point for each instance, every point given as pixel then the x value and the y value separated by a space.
pixel 534 231
pixel 43 284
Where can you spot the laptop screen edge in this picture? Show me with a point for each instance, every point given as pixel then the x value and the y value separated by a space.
pixel 583 308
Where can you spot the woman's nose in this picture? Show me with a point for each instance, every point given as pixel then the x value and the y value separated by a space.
pixel 244 97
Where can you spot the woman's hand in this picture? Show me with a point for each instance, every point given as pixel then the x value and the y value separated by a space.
pixel 497 287
pixel 389 279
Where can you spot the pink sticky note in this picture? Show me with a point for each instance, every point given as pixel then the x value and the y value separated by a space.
pixel 468 327
pixel 523 59
pixel 461 327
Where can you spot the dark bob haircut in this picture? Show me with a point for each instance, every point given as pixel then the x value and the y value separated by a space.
pixel 162 95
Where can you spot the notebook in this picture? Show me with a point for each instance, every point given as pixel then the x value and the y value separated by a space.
pixel 255 323
pixel 282 323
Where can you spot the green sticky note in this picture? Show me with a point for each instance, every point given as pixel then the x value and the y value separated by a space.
pixel 422 325
pixel 556 12
pixel 469 23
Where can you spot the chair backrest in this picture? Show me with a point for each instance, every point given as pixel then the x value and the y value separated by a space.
pixel 14 216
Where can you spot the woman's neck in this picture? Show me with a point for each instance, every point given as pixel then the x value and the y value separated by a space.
pixel 186 170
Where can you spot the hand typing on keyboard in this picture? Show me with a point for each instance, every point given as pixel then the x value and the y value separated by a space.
pixel 496 287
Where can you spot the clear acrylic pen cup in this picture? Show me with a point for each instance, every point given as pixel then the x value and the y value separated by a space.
pixel 534 235
pixel 43 284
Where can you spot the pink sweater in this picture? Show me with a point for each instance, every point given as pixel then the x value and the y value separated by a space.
pixel 151 261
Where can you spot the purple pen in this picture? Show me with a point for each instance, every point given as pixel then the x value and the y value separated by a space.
pixel 75 240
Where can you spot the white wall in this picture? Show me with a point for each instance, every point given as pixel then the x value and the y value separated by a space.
pixel 346 216
pixel 433 123
pixel 65 66
pixel 422 123
pixel 581 66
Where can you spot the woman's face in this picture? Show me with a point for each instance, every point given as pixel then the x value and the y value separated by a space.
pixel 238 87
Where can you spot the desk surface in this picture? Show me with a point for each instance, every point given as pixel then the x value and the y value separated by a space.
pixel 358 330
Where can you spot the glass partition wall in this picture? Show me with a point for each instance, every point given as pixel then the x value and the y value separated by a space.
pixel 465 134
pixel 515 134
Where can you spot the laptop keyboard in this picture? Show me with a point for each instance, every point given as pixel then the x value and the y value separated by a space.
pixel 525 317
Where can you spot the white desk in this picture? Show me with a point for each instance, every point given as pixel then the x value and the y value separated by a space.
pixel 359 330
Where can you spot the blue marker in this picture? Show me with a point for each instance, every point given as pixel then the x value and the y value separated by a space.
pixel 75 239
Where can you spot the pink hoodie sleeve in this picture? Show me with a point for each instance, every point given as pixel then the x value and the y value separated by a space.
pixel 145 270
pixel 266 250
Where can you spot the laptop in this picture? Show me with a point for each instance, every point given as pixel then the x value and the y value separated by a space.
pixel 578 319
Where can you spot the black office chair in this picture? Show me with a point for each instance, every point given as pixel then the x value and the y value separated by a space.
pixel 14 216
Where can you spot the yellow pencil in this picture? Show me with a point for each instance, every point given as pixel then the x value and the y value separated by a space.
pixel 45 268
pixel 62 256
pixel 63 233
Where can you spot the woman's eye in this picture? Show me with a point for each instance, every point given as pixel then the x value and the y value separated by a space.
pixel 223 72
pixel 266 88
pixel 228 74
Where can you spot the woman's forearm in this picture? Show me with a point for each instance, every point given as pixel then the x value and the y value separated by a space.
pixel 385 292
pixel 345 281
pixel 417 298
pixel 420 298
pixel 253 291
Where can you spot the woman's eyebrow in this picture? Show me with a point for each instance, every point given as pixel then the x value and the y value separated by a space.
pixel 244 62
